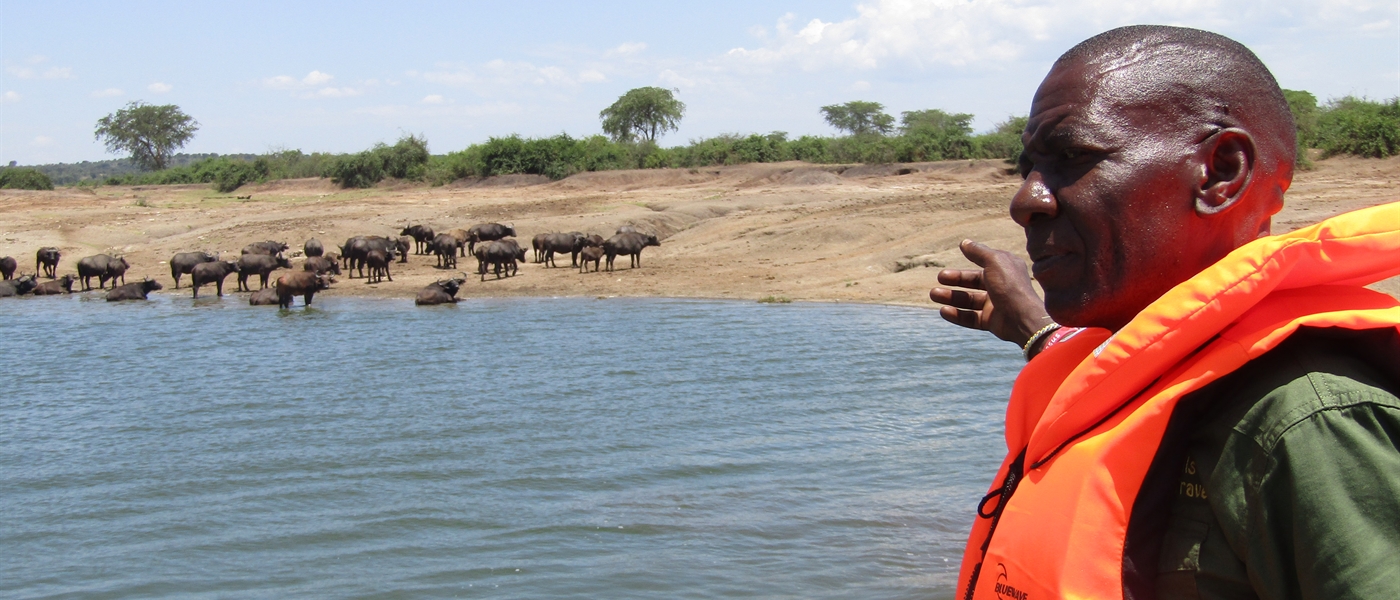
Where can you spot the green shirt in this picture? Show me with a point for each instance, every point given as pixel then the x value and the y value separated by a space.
pixel 1291 485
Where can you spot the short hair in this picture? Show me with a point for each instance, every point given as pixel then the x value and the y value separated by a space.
pixel 1230 85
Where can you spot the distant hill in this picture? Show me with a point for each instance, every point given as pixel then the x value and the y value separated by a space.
pixel 71 173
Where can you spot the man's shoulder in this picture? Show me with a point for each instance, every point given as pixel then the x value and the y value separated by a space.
pixel 1314 377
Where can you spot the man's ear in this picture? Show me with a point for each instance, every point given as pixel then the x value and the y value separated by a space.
pixel 1227 159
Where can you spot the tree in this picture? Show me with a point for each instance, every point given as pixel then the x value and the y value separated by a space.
pixel 148 132
pixel 935 121
pixel 645 111
pixel 859 118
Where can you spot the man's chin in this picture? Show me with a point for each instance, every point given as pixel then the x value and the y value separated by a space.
pixel 1072 308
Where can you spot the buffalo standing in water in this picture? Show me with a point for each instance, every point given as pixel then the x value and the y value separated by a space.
pixel 7 267
pixel 439 292
pixel 62 285
pixel 630 244
pixel 261 264
pixel 46 261
pixel 132 291
pixel 184 262
pixel 103 267
pixel 301 283
pixel 18 287
pixel 212 272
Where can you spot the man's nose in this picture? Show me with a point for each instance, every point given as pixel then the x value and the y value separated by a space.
pixel 1033 201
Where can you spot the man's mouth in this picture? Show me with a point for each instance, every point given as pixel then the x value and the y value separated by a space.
pixel 1047 264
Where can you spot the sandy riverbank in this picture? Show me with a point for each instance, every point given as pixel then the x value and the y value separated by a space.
pixel 790 230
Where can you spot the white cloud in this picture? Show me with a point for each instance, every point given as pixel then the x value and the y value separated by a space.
pixel 160 88
pixel 592 76
pixel 433 99
pixel 10 96
pixel 50 73
pixel 107 93
pixel 287 82
pixel 860 86
pixel 42 141
pixel 58 73
pixel 627 49
pixel 315 78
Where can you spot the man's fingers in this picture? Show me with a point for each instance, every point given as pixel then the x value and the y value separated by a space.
pixel 964 318
pixel 980 254
pixel 968 278
pixel 960 299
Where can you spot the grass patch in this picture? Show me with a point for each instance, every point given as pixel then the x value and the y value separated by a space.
pixel 775 300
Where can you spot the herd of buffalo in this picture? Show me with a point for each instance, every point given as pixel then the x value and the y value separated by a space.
pixel 492 244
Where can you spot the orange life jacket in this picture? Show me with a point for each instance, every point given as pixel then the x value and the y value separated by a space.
pixel 1087 415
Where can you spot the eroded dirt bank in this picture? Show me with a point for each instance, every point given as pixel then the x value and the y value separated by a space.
pixel 788 230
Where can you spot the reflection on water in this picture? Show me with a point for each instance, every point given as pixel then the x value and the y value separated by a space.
pixel 521 448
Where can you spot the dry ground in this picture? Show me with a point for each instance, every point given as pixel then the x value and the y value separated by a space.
pixel 787 230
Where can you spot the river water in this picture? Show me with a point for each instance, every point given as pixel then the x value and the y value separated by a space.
pixel 512 448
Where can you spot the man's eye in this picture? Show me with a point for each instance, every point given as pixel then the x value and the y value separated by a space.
pixel 1072 154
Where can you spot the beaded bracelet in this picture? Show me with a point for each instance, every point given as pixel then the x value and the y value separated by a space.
pixel 1035 337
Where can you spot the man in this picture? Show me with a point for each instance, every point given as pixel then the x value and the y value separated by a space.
pixel 1218 416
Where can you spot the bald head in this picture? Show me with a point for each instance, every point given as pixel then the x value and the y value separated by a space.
pixel 1150 153
pixel 1204 78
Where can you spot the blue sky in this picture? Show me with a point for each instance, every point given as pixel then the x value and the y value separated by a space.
pixel 341 76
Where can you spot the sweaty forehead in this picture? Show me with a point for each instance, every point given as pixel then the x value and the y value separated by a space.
pixel 1142 88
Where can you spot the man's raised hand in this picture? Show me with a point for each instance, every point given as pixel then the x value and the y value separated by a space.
pixel 999 297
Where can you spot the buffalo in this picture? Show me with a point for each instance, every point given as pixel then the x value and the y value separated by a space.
pixel 487 232
pixel 439 292
pixel 378 261
pixel 313 247
pixel 62 285
pixel 103 267
pixel 355 250
pixel 269 247
pixel 560 243
pixel 401 247
pixel 184 262
pixel 263 297
pixel 211 272
pixel 630 244
pixel 502 255
pixel 19 286
pixel 322 265
pixel 133 291
pixel 445 247
pixel 422 235
pixel 8 265
pixel 590 253
pixel 537 243
pixel 262 265
pixel 46 261
pixel 461 236
pixel 301 283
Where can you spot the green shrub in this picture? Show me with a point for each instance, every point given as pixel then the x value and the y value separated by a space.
pixel 406 159
pixel 1360 127
pixel 21 178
